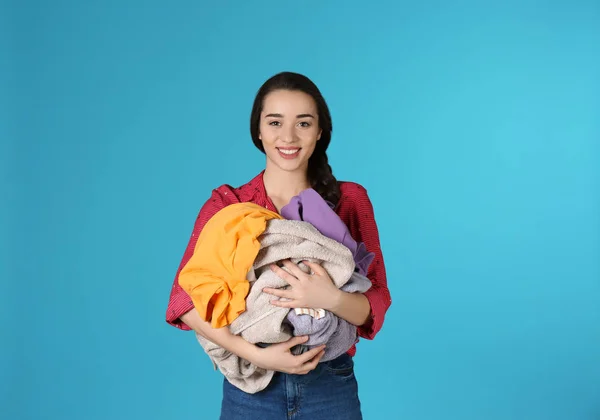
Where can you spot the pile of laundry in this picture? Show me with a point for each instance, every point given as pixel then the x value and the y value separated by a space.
pixel 230 267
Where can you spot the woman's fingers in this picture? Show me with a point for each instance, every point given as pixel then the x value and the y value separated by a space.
pixel 315 361
pixel 294 269
pixel 280 293
pixel 284 303
pixel 294 341
pixel 307 356
pixel 316 268
pixel 290 279
pixel 312 363
pixel 302 363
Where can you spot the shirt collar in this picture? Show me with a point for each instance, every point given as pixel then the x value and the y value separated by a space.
pixel 257 192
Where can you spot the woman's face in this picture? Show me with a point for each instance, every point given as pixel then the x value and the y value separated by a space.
pixel 289 129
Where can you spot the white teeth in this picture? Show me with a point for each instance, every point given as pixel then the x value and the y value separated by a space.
pixel 289 151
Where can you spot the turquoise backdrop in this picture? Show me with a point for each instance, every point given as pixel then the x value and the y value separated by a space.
pixel 474 126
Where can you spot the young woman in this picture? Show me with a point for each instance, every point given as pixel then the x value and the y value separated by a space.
pixel 291 124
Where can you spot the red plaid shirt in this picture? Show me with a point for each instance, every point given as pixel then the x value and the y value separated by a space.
pixel 354 208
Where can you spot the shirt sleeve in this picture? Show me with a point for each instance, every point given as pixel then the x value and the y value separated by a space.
pixel 179 301
pixel 364 229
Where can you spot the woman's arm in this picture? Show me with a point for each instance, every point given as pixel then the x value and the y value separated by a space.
pixel 353 307
pixel 180 302
pixel 277 357
pixel 359 216
pixel 220 336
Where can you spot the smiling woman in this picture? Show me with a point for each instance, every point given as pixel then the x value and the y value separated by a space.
pixel 286 134
pixel 291 124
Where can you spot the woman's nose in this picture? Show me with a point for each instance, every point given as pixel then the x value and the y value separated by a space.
pixel 287 135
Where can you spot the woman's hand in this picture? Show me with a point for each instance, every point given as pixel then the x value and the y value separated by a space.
pixel 314 290
pixel 278 357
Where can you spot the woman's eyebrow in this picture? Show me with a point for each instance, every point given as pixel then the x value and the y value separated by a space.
pixel 297 116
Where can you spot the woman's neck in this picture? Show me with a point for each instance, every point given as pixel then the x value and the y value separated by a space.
pixel 281 186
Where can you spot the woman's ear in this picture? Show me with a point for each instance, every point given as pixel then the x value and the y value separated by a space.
pixel 319 135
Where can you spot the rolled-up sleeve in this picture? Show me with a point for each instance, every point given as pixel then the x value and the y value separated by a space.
pixel 364 229
pixel 179 301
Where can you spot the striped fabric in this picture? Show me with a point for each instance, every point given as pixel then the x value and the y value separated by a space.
pixel 315 313
pixel 354 208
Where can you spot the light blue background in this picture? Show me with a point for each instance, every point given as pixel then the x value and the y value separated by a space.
pixel 475 128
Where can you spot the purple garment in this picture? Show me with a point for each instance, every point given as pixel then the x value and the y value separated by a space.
pixel 338 334
pixel 310 207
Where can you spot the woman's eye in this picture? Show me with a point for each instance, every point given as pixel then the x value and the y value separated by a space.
pixel 304 124
pixel 274 123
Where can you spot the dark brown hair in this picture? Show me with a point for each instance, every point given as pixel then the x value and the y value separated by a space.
pixel 320 175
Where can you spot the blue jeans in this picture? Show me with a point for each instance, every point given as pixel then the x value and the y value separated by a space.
pixel 329 392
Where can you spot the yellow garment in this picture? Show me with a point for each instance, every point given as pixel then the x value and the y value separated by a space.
pixel 215 275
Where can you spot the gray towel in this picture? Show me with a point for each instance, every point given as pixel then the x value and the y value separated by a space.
pixel 337 333
pixel 263 322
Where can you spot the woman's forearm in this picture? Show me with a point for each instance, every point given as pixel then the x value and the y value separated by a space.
pixel 353 307
pixel 220 336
